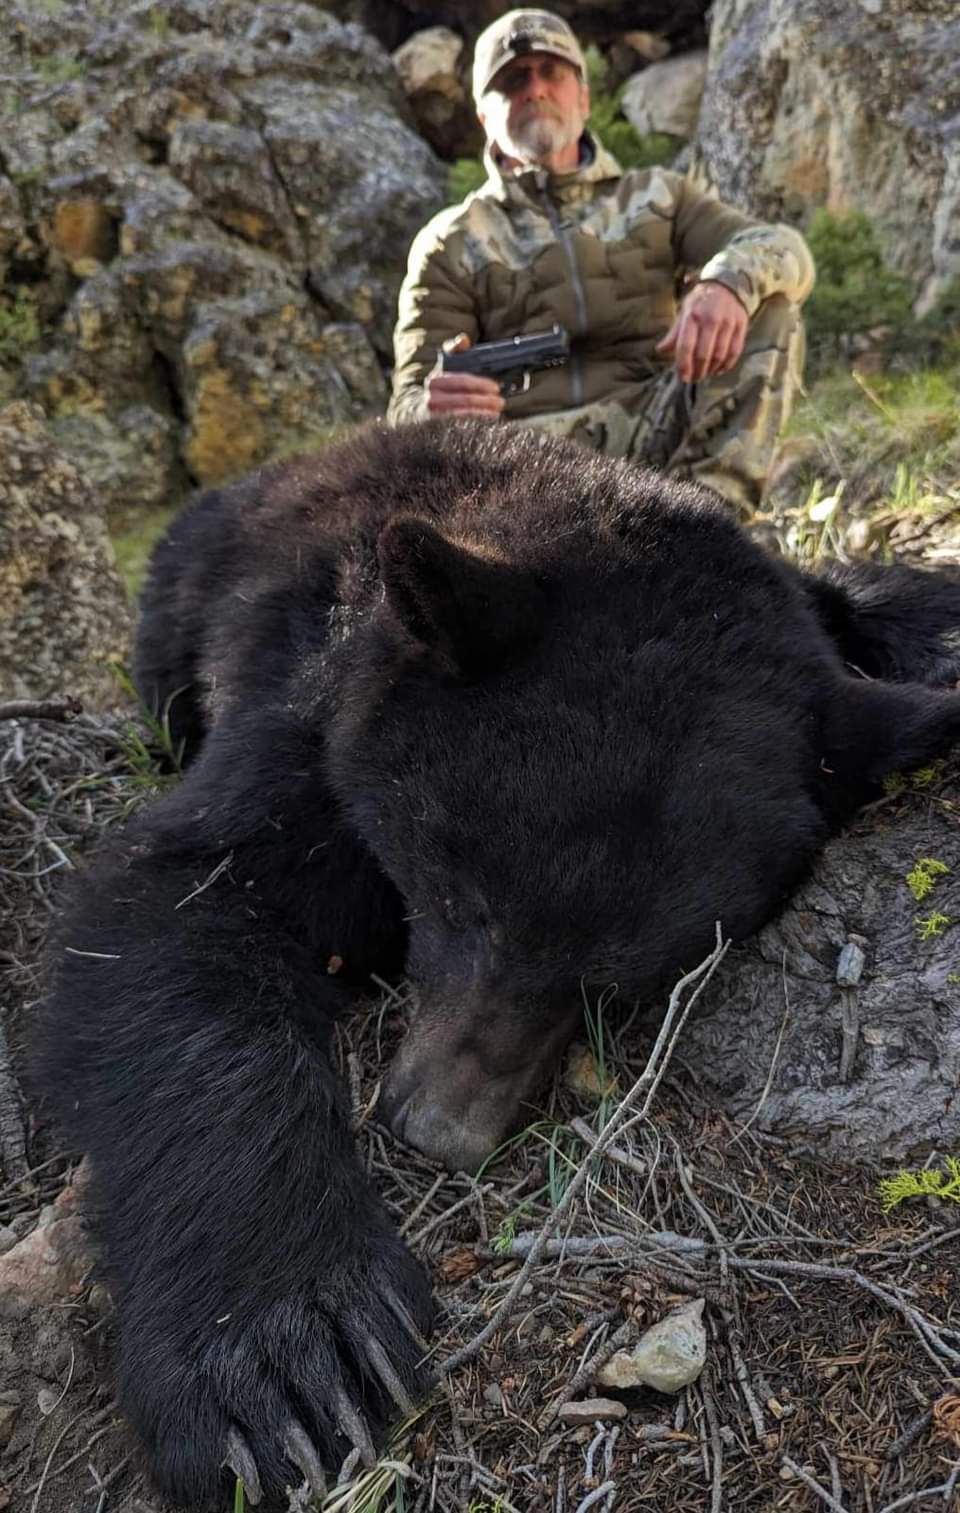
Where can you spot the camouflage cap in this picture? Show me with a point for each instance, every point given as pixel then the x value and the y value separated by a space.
pixel 518 33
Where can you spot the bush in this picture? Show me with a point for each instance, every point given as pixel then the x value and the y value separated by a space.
pixel 855 291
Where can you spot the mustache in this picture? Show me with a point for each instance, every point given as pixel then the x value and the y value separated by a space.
pixel 535 112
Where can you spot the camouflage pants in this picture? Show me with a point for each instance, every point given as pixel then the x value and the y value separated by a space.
pixel 720 432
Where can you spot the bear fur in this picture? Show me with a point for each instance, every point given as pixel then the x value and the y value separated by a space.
pixel 464 702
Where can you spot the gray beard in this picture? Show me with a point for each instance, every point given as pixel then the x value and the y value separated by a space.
pixel 537 139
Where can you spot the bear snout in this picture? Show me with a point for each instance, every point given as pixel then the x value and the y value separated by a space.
pixel 456 1096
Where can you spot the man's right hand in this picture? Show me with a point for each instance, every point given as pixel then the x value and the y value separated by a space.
pixel 462 393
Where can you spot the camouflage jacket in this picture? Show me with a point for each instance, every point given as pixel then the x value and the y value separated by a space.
pixel 601 251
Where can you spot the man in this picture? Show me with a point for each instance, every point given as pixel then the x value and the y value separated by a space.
pixel 559 233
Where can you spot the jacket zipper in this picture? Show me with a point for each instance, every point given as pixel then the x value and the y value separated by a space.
pixel 579 297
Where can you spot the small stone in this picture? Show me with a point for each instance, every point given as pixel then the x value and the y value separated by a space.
pixel 493 1395
pixel 8 1238
pixel 669 1356
pixel 588 1410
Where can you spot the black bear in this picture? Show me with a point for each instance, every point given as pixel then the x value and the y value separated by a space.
pixel 467 703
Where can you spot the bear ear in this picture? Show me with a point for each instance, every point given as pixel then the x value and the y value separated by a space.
pixel 472 614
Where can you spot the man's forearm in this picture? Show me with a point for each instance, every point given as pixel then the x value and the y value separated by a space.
pixel 762 261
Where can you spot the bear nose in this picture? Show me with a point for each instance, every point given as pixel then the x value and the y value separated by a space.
pixel 459 1146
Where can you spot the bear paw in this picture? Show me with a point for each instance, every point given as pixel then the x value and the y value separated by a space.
pixel 279 1393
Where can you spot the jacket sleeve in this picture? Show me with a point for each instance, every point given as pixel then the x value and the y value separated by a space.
pixel 753 259
pixel 436 303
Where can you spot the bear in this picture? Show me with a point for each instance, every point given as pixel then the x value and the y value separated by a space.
pixel 456 701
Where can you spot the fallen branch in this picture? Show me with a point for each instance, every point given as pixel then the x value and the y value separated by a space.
pixel 63 710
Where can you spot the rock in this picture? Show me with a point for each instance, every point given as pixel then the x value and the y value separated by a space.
pixel 820 102
pixel 433 75
pixel 8 1238
pixel 668 1356
pixel 49 1264
pixel 64 614
pixel 647 45
pixel 864 1073
pixel 213 221
pixel 666 96
pixel 588 1410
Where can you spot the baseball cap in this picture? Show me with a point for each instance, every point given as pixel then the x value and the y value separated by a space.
pixel 518 33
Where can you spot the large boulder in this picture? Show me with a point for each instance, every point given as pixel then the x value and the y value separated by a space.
pixel 666 96
pixel 850 104
pixel 210 211
pixel 64 614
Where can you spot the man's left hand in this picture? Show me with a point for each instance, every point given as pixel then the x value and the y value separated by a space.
pixel 708 334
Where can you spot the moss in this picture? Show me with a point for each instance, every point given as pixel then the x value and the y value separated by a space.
pixel 923 877
pixel 19 325
pixel 919 1184
pixel 932 926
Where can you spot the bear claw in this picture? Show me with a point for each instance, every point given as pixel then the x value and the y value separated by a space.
pixel 351 1423
pixel 302 1452
pixel 379 1360
pixel 239 1459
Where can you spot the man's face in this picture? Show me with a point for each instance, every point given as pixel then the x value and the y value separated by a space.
pixel 535 109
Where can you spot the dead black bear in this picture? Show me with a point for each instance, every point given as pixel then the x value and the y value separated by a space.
pixel 462 702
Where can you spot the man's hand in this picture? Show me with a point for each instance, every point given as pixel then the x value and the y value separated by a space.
pixel 462 393
pixel 708 334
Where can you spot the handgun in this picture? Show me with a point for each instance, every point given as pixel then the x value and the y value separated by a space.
pixel 511 362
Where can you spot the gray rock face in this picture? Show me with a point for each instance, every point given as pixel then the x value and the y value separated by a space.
pixel 212 204
pixel 844 104
pixel 856 1070
pixel 64 613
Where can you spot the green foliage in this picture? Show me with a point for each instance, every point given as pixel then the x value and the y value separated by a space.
pixel 463 177
pixel 609 124
pixel 855 291
pixel 239 1501
pixel 19 325
pixel 894 1190
pixel 144 757
pixel 933 925
pixel 922 879
pixel 505 1235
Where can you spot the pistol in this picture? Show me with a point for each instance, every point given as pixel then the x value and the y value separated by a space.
pixel 511 362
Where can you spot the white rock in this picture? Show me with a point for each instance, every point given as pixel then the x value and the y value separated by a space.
pixel 428 60
pixel 669 1356
pixel 666 96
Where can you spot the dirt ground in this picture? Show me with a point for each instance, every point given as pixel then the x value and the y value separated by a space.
pixel 833 1330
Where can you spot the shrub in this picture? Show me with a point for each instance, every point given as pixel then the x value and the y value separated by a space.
pixel 855 291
